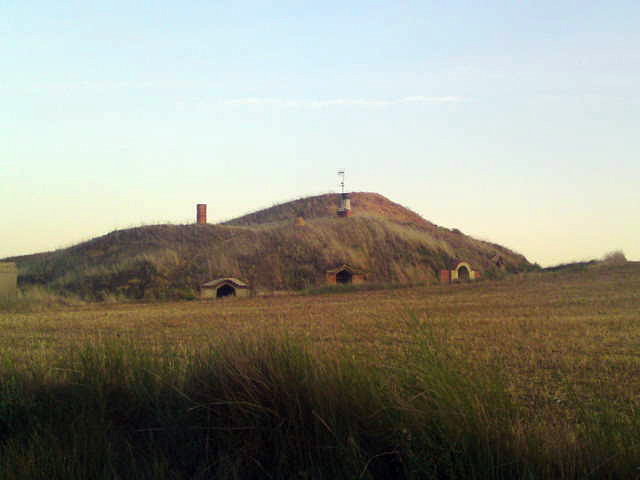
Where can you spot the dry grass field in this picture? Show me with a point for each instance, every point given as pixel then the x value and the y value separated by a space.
pixel 543 329
pixel 564 343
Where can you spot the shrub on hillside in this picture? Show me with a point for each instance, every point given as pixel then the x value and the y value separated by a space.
pixel 615 257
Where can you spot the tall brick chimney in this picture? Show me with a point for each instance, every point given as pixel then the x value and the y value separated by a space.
pixel 201 213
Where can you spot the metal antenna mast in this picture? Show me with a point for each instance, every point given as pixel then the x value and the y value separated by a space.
pixel 341 179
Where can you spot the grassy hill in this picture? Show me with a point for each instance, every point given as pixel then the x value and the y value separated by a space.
pixel 364 204
pixel 267 249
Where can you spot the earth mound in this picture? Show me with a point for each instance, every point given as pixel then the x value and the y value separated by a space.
pixel 270 249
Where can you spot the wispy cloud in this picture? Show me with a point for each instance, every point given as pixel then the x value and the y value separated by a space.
pixel 358 102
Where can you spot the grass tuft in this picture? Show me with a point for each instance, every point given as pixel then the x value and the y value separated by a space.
pixel 268 407
pixel 245 409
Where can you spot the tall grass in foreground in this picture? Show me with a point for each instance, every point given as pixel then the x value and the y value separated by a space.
pixel 268 408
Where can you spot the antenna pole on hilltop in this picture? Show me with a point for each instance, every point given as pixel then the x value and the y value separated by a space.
pixel 341 178
pixel 345 201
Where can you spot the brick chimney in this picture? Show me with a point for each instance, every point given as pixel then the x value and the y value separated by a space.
pixel 201 213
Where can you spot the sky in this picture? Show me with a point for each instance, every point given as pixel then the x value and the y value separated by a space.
pixel 514 121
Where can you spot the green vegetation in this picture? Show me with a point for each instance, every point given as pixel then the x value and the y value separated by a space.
pixel 250 409
pixel 534 376
pixel 265 249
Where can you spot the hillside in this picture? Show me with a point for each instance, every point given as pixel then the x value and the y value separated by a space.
pixel 364 204
pixel 267 249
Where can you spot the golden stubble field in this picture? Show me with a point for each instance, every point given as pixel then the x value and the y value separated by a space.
pixel 558 338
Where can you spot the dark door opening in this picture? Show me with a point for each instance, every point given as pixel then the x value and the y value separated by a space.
pixel 344 276
pixel 463 274
pixel 225 291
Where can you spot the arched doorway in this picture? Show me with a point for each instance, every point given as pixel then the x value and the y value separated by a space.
pixel 463 274
pixel 225 291
pixel 344 276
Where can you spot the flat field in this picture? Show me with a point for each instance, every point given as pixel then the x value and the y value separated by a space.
pixel 566 346
pixel 556 337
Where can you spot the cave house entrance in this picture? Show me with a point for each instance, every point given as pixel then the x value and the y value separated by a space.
pixel 225 291
pixel 459 271
pixel 463 274
pixel 345 274
pixel 223 288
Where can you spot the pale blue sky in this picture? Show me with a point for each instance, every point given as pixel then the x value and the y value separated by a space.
pixel 513 121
